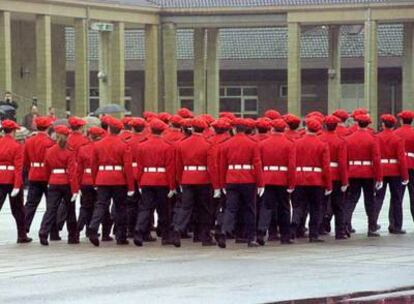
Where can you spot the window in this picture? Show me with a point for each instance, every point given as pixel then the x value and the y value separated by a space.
pixel 240 100
pixel 283 90
pixel 308 91
pixel 352 96
pixel 186 97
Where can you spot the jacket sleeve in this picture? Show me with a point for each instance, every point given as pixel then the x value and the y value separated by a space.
pixel 140 167
pixel 80 166
pixel 376 160
pixel 402 159
pixel 170 166
pixel 18 167
pixel 326 160
pixel 292 167
pixel 48 169
pixel 72 172
pixel 178 164
pixel 223 165
pixel 257 163
pixel 213 166
pixel 94 164
pixel 343 163
pixel 26 161
pixel 127 161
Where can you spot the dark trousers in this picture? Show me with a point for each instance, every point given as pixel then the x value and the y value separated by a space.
pixel 34 196
pixel 275 199
pixel 311 197
pixel 55 195
pixel 132 210
pixel 154 197
pixel 16 206
pixel 104 195
pixel 299 213
pixel 356 185
pixel 240 197
pixel 410 187
pixel 334 205
pixel 395 213
pixel 196 199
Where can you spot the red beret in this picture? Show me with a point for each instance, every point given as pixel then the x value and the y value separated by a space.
pixel 96 131
pixel 75 122
pixel 291 119
pixel 207 118
pixel 185 113
pixel 61 129
pixel 9 124
pixel 176 120
pixel 363 118
pixel 359 111
pixel 157 124
pixel 341 114
pixel 315 114
pixel 105 119
pixel 164 116
pixel 250 123
pixel 272 114
pixel 222 123
pixel 389 118
pixel 199 123
pixel 149 115
pixel 238 121
pixel 332 120
pixel 406 115
pixel 263 123
pixel 126 120
pixel 313 125
pixel 279 124
pixel 137 122
pixel 115 123
pixel 227 115
pixel 186 122
pixel 43 121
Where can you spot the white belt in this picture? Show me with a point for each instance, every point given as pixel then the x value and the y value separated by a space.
pixel 134 165
pixel 360 163
pixel 88 171
pixel 37 165
pixel 58 171
pixel 110 168
pixel 240 167
pixel 195 168
pixel 6 168
pixel 410 154
pixel 309 169
pixel 334 165
pixel 154 169
pixel 275 168
pixel 389 161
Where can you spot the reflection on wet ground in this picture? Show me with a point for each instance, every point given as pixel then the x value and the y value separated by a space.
pixel 396 296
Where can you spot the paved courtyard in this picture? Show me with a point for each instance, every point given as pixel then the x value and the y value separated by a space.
pixel 81 273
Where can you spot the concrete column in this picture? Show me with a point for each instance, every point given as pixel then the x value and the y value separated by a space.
pixel 213 72
pixel 43 62
pixel 81 104
pixel 408 67
pixel 59 69
pixel 294 69
pixel 118 64
pixel 169 49
pixel 200 71
pixel 105 58
pixel 151 67
pixel 371 69
pixel 5 52
pixel 334 69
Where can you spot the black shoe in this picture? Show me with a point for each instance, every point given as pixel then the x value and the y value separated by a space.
pixel 122 242
pixel 221 241
pixel 176 238
pixel 207 243
pixel 397 231
pixel 23 240
pixel 260 240
pixel 107 238
pixel 373 234
pixel 43 240
pixel 138 239
pixel 55 237
pixel 327 226
pixel 252 244
pixel 241 241
pixel 378 227
pixel 353 230
pixel 94 239
pixel 316 240
pixel 149 238
pixel 287 242
pixel 341 237
pixel 73 241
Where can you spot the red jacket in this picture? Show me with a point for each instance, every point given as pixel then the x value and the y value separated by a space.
pixel 11 161
pixel 240 161
pixel 279 168
pixel 312 162
pixel 76 140
pixel 363 155
pixel 155 163
pixel 173 135
pixel 112 163
pixel 260 136
pixel 194 162
pixel 34 156
pixel 62 159
pixel 393 159
pixel 343 131
pixel 293 134
pixel 134 141
pixel 406 132
pixel 126 135
pixel 84 168
pixel 338 155
pixel 216 141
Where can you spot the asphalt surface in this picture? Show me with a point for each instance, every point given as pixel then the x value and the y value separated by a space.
pixel 63 273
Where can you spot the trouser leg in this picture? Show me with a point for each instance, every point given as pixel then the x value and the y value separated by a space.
pixel 19 213
pixel 87 204
pixel 34 196
pixel 145 209
pixel 315 195
pixel 370 204
pixel 119 195
pixel 283 212
pixel 164 212
pixel 248 197
pixel 410 187
pixel 232 209
pixel 338 208
pixel 396 203
pixel 183 213
pixel 379 198
pixel 132 210
pixel 101 208
pixel 53 199
pixel 351 200
pixel 205 211
pixel 70 210
pixel 266 210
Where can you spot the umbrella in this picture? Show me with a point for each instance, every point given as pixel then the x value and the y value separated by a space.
pixel 109 109
pixel 92 121
pixel 62 121
pixel 7 108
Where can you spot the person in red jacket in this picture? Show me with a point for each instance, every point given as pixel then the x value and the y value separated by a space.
pixel 174 132
pixel 195 174
pixel 126 133
pixel 241 173
pixel 279 173
pixel 34 156
pixel 112 175
pixel 394 171
pixel 156 180
pixel 342 130
pixel 334 204
pixel 76 138
pixel 313 177
pixel 88 195
pixel 364 171
pixel 406 132
pixel 60 168
pixel 11 170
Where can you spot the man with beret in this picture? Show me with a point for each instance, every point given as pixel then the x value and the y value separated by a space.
pixel 76 138
pixel 126 132
pixel 272 114
pixel 174 133
pixel 313 177
pixel 364 171
pixel 196 175
pixel 34 157
pixel 342 130
pixel 406 132
pixel 263 127
pixel 394 172
pixel 241 173
pixel 60 168
pixel 185 113
pixel 293 123
pixel 11 171
pixel 88 193
pixel 279 173
pixel 112 174
pixel 334 204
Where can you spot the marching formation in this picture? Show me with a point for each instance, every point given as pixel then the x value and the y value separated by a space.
pixel 252 180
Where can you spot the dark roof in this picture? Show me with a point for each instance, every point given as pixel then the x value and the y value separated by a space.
pixel 260 43
pixel 127 2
